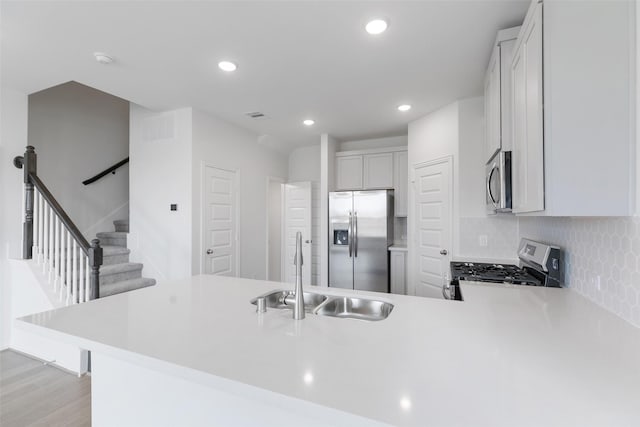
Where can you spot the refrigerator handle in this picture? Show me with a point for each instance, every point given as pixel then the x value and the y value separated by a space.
pixel 350 234
pixel 355 234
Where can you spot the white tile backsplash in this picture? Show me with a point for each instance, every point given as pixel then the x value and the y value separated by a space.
pixel 501 232
pixel 602 255
pixel 602 258
pixel 400 230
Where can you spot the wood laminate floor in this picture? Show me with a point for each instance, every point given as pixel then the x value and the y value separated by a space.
pixel 34 394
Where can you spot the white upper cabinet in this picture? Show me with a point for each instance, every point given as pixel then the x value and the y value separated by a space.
pixel 492 105
pixel 349 173
pixel 497 94
pixel 573 119
pixel 375 169
pixel 528 148
pixel 401 182
pixel 378 171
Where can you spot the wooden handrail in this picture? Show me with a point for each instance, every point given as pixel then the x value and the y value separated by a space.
pixel 106 171
pixel 64 218
pixel 93 251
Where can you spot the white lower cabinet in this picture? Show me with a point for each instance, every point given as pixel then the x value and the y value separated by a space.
pixel 398 261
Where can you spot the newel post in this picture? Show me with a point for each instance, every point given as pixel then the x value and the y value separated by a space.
pixel 28 163
pixel 95 261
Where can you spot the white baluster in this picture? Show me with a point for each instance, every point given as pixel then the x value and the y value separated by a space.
pixel 74 276
pixel 87 281
pixel 36 217
pixel 52 234
pixel 58 254
pixel 68 281
pixel 40 226
pixel 45 245
pixel 81 277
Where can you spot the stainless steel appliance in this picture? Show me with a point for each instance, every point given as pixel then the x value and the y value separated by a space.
pixel 498 183
pixel 360 231
pixel 540 265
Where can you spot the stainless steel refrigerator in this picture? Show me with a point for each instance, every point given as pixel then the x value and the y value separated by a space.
pixel 360 231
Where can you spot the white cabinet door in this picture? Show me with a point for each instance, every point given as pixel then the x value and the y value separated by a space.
pixel 349 173
pixel 398 272
pixel 378 171
pixel 528 154
pixel 401 181
pixel 492 105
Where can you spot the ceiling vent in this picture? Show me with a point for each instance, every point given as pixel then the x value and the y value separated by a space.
pixel 256 115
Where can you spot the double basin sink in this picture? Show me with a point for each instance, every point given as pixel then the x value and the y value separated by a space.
pixel 330 305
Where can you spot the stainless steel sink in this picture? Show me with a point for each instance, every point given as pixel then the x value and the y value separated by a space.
pixel 355 308
pixel 332 306
pixel 286 299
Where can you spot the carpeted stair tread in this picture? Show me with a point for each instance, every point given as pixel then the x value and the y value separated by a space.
pixel 106 270
pixel 124 286
pixel 112 234
pixel 109 250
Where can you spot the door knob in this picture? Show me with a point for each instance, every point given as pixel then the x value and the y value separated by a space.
pixel 209 251
pixel 308 241
pixel 443 252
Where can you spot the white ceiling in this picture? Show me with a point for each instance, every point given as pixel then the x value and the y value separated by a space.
pixel 295 59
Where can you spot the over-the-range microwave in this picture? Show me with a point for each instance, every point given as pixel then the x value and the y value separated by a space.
pixel 498 183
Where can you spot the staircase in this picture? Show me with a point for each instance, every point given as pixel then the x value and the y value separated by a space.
pixel 117 274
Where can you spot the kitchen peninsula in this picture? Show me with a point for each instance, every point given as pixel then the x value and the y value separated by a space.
pixel 195 352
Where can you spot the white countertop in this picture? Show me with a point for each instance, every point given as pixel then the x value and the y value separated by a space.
pixel 398 247
pixel 506 356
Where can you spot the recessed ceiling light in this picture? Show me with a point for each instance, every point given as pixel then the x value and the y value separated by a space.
pixel 227 66
pixel 404 107
pixel 308 122
pixel 376 26
pixel 103 58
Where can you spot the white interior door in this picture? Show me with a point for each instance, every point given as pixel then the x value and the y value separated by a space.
pixel 219 213
pixel 433 195
pixel 297 217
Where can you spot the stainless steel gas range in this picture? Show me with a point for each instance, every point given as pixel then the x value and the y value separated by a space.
pixel 540 265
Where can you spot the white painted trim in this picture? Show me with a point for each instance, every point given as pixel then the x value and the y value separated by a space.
pixel 269 180
pixel 412 259
pixel 371 151
pixel 236 186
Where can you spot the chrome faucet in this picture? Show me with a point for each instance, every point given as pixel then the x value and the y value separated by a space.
pixel 298 308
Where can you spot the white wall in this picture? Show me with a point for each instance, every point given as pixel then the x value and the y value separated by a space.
pixel 13 140
pixel 78 132
pixel 304 165
pixel 223 145
pixel 274 252
pixel 363 144
pixel 432 137
pixel 161 174
pixel 328 148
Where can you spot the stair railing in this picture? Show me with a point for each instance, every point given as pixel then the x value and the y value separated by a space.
pixel 71 263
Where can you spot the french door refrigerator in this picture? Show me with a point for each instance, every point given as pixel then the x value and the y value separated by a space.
pixel 360 232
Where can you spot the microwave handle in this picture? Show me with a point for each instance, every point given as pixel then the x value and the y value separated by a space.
pixel 493 200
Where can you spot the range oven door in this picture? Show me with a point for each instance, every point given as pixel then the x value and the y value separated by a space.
pixel 498 183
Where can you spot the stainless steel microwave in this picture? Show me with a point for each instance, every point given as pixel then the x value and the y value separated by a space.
pixel 498 183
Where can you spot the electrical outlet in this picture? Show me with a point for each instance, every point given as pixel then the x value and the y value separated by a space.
pixel 174 207
pixel 483 240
